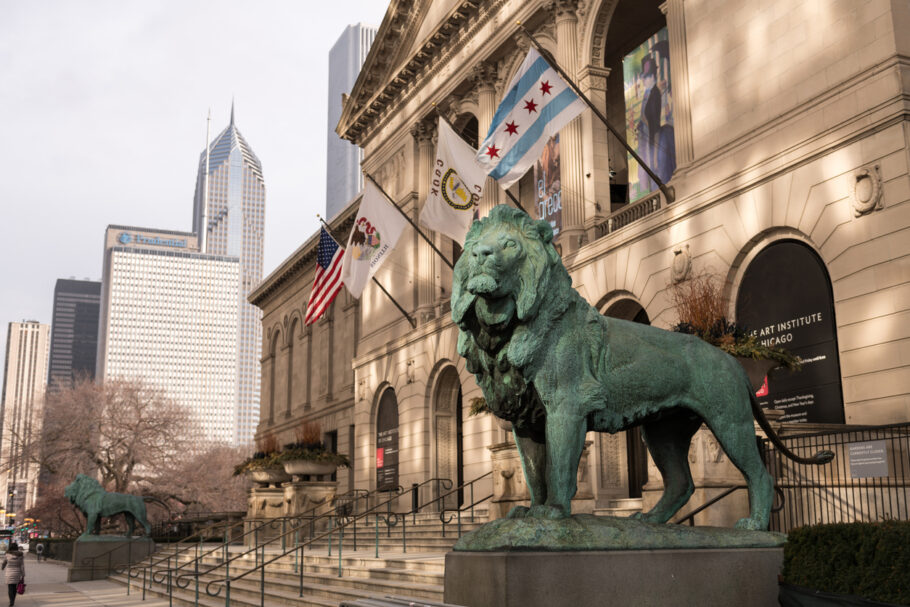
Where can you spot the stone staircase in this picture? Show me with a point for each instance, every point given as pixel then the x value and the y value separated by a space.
pixel 416 573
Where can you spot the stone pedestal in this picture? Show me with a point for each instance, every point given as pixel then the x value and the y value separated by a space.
pixel 510 489
pixel 308 497
pixel 745 577
pixel 95 557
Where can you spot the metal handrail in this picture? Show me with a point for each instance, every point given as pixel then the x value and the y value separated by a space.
pixel 691 516
pixel 213 588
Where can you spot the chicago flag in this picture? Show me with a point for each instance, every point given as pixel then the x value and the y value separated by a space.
pixel 456 185
pixel 375 233
pixel 538 103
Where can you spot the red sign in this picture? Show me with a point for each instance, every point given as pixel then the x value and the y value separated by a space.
pixel 379 457
pixel 763 391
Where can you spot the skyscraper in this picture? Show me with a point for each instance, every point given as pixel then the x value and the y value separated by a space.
pixel 343 178
pixel 22 412
pixel 74 332
pixel 169 317
pixel 233 216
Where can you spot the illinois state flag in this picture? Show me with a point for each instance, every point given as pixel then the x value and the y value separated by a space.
pixel 538 103
pixel 455 187
pixel 376 231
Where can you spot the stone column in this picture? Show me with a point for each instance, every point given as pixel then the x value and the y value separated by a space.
pixel 423 133
pixel 570 137
pixel 485 75
pixel 679 81
pixel 595 149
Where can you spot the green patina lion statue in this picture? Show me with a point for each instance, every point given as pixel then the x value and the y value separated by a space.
pixel 548 362
pixel 90 497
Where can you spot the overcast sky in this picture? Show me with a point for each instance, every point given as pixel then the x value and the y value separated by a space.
pixel 102 120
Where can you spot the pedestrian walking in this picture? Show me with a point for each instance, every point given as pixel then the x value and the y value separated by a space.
pixel 14 564
pixel 39 550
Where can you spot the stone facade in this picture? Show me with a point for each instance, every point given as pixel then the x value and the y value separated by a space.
pixel 790 124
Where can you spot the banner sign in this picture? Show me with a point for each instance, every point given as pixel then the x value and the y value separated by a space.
pixel 649 113
pixel 547 186
pixel 785 300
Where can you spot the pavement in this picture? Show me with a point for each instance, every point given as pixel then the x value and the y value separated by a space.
pixel 46 586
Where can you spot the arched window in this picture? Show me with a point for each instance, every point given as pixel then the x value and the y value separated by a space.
pixel 290 381
pixel 387 441
pixel 785 298
pixel 273 361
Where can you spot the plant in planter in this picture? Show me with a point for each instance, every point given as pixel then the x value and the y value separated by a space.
pixel 263 466
pixel 700 305
pixel 308 455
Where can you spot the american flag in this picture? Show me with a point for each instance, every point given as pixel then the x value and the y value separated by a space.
pixel 328 277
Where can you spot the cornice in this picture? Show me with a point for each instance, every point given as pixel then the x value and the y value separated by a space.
pixel 370 99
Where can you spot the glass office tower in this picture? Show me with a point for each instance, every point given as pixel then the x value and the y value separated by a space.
pixel 235 216
pixel 74 332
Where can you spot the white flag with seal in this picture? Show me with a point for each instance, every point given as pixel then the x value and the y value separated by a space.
pixel 375 233
pixel 456 185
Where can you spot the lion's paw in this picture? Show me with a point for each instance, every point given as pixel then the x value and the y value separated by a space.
pixel 749 523
pixel 518 512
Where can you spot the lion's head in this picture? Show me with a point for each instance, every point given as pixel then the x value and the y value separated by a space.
pixel 82 488
pixel 506 269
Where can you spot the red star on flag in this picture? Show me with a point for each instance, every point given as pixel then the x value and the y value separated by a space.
pixel 511 128
pixel 492 151
pixel 545 87
pixel 530 106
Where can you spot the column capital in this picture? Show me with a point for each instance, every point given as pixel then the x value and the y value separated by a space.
pixel 423 131
pixel 565 9
pixel 484 75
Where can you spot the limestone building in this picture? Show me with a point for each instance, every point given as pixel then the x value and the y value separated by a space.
pixel 781 129
pixel 22 414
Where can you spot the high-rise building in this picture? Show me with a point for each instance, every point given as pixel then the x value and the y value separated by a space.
pixel 343 177
pixel 169 317
pixel 74 332
pixel 234 219
pixel 22 412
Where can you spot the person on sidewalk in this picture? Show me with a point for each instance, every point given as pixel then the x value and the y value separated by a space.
pixel 14 564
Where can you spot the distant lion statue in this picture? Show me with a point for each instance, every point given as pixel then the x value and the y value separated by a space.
pixel 548 362
pixel 90 497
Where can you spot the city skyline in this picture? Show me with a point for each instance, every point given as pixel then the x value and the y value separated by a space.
pixel 97 74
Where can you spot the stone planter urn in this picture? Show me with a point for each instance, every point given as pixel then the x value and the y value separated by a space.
pixel 267 477
pixel 305 467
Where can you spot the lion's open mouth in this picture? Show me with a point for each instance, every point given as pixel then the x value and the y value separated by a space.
pixel 482 284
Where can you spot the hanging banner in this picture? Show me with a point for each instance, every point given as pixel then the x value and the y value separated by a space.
pixel 649 113
pixel 548 186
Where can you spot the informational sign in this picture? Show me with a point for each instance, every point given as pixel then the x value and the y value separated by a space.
pixel 785 300
pixel 387 460
pixel 649 113
pixel 547 186
pixel 387 442
pixel 868 459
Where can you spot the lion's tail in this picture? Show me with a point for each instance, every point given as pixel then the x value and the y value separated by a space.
pixel 821 457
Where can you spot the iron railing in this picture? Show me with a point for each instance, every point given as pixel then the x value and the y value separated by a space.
pixel 867 481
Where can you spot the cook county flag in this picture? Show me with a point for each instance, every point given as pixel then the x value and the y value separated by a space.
pixel 376 230
pixel 455 187
pixel 538 103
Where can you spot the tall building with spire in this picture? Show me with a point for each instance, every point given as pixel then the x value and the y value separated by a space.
pixel 229 217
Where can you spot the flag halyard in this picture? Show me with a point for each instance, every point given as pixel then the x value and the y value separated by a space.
pixel 327 282
pixel 536 106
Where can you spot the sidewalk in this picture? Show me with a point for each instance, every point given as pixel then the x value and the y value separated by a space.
pixel 46 586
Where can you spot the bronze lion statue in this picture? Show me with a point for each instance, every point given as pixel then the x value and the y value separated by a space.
pixel 89 496
pixel 548 362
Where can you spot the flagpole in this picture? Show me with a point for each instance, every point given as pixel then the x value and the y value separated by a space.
pixel 667 191
pixel 328 230
pixel 405 215
pixel 508 193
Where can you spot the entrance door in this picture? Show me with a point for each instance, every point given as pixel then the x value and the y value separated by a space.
pixel 447 424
